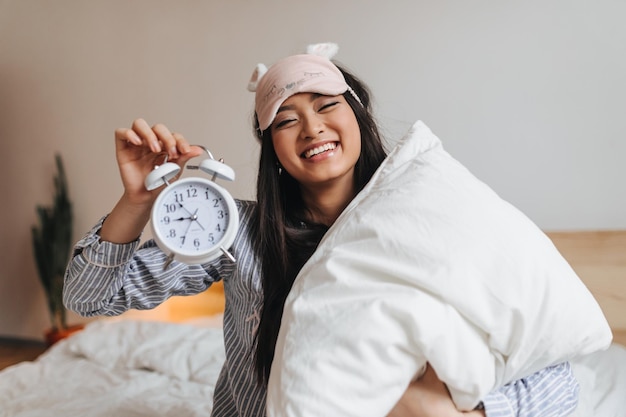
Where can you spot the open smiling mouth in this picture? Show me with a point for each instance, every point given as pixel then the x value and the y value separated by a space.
pixel 320 149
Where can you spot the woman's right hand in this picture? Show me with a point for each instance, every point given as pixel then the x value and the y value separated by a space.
pixel 138 149
pixel 141 147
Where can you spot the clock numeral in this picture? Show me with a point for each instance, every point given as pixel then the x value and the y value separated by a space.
pixel 211 238
pixel 170 208
pixel 196 242
pixel 220 214
pixel 218 228
pixel 178 197
pixel 216 202
pixel 192 192
pixel 172 233
pixel 166 220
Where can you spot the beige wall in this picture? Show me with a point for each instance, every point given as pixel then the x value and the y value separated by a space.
pixel 528 95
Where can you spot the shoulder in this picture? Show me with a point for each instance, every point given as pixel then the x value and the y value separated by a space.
pixel 245 204
pixel 247 214
pixel 246 209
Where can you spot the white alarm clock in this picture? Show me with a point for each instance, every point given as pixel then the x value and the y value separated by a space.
pixel 194 220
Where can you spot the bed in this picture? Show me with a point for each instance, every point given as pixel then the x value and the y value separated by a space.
pixel 161 362
pixel 599 258
pixel 165 362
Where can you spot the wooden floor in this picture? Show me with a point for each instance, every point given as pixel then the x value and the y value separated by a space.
pixel 14 351
pixel 599 258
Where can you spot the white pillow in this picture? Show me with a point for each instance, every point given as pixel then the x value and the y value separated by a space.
pixel 427 264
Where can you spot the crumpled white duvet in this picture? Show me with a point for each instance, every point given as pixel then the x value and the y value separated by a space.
pixel 602 379
pixel 119 368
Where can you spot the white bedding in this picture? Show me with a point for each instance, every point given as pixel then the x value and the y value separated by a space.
pixel 138 368
pixel 602 379
pixel 119 368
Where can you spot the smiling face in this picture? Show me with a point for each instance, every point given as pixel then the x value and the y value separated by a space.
pixel 317 140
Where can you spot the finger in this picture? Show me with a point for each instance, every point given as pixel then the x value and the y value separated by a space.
pixel 126 135
pixel 167 139
pixel 181 143
pixel 191 153
pixel 147 135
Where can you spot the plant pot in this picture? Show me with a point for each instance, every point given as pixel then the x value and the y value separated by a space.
pixel 54 335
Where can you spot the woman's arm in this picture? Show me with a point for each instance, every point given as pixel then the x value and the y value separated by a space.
pixel 105 278
pixel 429 397
pixel 550 392
pixel 105 274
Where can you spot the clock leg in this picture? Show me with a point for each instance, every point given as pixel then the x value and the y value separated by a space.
pixel 168 261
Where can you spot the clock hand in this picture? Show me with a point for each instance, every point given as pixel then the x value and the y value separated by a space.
pixel 183 207
pixel 194 216
pixel 185 234
pixel 182 218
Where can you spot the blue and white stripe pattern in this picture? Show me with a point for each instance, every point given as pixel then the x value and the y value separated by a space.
pixel 107 279
pixel 550 392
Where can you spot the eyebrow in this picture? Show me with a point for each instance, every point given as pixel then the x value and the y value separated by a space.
pixel 314 96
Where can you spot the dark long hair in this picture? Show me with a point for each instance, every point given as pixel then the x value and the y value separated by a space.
pixel 285 239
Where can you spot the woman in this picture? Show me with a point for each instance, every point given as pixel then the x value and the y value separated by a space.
pixel 319 147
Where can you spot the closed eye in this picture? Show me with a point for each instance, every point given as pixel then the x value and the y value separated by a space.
pixel 328 106
pixel 284 123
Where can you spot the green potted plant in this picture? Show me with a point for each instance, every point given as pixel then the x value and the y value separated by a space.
pixel 52 242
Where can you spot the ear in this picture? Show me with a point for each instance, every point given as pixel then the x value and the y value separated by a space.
pixel 327 50
pixel 258 73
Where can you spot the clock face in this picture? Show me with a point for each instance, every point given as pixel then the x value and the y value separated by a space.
pixel 193 217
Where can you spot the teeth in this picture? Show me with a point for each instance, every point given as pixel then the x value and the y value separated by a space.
pixel 315 151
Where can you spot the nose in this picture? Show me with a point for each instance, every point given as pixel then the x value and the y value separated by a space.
pixel 312 126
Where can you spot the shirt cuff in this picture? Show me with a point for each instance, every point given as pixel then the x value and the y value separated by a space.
pixel 109 255
pixel 105 254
